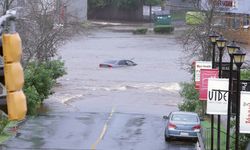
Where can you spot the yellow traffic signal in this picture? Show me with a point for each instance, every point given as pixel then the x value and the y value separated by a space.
pixel 14 76
pixel 16 104
pixel 12 48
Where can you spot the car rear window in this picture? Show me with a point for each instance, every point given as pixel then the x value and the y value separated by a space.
pixel 185 118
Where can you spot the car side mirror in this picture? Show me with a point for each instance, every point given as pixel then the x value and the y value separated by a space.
pixel 165 117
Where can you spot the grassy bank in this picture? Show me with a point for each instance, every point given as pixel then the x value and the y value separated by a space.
pixel 8 131
pixel 206 125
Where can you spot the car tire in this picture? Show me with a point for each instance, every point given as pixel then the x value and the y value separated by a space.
pixel 195 140
pixel 167 139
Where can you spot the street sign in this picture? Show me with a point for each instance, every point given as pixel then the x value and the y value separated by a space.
pixel 245 112
pixel 224 65
pixel 244 86
pixel 217 96
pixel 198 66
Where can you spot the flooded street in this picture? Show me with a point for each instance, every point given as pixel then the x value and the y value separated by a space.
pixel 110 108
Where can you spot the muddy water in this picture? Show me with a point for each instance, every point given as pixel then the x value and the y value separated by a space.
pixel 114 108
pixel 157 74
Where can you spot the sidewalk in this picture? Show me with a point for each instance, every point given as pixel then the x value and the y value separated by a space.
pixel 130 26
pixel 122 27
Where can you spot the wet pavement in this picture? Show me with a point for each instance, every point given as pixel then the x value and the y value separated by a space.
pixel 110 108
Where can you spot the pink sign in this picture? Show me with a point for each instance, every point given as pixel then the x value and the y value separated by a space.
pixel 204 75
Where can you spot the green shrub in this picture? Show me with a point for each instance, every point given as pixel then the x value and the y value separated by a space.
pixel 163 29
pixel 56 67
pixel 39 80
pixel 245 74
pixel 33 99
pixel 243 138
pixel 40 77
pixel 140 31
pixel 3 123
pixel 191 98
pixel 195 18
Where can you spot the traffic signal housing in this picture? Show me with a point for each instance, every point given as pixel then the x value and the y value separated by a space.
pixel 14 76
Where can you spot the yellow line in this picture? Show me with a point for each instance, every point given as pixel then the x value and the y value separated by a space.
pixel 93 146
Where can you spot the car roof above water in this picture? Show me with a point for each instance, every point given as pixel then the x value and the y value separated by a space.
pixel 111 61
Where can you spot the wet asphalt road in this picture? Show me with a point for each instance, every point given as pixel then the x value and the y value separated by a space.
pixel 110 109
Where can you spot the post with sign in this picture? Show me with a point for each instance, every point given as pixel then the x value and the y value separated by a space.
pixel 198 66
pixel 205 74
pixel 217 96
pixel 245 112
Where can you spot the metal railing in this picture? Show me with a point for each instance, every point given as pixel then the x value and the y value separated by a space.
pixel 200 144
pixel 204 142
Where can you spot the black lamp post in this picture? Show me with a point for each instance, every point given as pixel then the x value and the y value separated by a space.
pixel 239 58
pixel 231 48
pixel 221 43
pixel 213 37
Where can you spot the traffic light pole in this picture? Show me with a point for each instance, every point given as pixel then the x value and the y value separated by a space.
pixel 11 16
pixel 12 24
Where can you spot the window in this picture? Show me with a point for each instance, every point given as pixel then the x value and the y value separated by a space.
pixel 130 63
pixel 184 118
pixel 122 62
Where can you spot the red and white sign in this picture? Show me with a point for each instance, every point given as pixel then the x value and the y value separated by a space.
pixel 198 66
pixel 245 112
pixel 217 95
pixel 225 3
pixel 205 74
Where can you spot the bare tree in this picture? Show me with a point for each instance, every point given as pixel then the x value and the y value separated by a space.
pixel 195 40
pixel 40 30
pixel 5 5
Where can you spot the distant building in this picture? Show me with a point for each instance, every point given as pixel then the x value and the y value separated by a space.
pixel 76 9
pixel 230 6
pixel 233 18
pixel 180 4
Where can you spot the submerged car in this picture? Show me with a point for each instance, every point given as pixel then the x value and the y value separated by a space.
pixel 182 125
pixel 117 63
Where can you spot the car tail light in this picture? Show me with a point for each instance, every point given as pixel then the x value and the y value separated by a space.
pixel 171 126
pixel 103 65
pixel 197 128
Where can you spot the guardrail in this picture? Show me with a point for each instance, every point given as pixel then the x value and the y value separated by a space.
pixel 200 144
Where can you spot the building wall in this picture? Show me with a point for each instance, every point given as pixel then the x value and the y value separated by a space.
pixel 240 6
pixel 72 10
pixel 77 10
pixel 180 4
pixel 112 12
